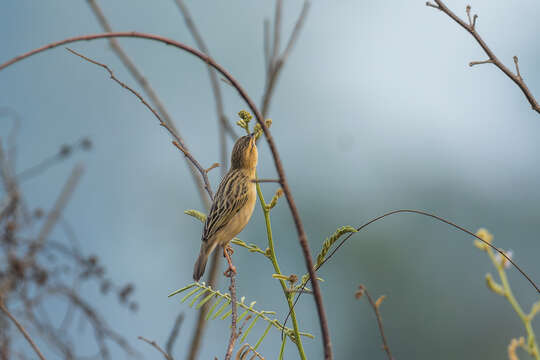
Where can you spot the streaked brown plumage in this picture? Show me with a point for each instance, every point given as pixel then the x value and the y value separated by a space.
pixel 233 203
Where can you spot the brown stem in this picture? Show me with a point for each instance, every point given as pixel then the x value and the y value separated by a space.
pixel 375 305
pixel 21 329
pixel 150 92
pixel 173 335
pixel 270 140
pixel 234 314
pixel 203 172
pixel 471 29
pixel 156 346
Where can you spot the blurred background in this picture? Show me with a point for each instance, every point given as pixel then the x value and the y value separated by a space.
pixel 376 109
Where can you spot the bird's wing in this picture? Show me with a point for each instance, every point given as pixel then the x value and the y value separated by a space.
pixel 231 196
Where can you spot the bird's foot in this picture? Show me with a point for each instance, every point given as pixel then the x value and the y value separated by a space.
pixel 227 252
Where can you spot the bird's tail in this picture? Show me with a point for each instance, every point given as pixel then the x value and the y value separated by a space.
pixel 200 264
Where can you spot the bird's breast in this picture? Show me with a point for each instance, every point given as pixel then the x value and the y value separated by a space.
pixel 240 220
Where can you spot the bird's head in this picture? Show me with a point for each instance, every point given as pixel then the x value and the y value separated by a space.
pixel 244 153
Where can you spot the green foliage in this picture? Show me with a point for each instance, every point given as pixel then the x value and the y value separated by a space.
pixel 331 240
pixel 502 288
pixel 196 214
pixel 200 294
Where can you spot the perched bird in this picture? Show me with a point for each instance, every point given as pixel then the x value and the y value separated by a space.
pixel 233 203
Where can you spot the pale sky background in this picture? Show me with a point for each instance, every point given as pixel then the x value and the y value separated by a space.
pixel 377 109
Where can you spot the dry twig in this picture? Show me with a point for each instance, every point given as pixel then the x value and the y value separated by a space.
pixel 492 59
pixel 150 92
pixel 375 306
pixel 21 329
pixel 156 346
pixel 177 142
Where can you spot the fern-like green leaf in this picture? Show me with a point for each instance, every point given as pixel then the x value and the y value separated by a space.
pixel 196 214
pixel 331 240
pixel 200 294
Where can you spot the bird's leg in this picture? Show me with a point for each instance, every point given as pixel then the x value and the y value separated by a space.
pixel 227 252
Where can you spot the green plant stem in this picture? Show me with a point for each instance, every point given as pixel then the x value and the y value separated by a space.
pixel 531 337
pixel 273 258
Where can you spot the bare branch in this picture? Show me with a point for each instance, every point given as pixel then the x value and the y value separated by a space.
pixel 176 142
pixel 517 66
pixel 375 305
pixel 174 334
pixel 277 34
pixel 156 346
pixel 203 171
pixel 277 61
pixel 472 63
pixel 213 77
pixel 471 29
pixel 21 329
pixel 58 207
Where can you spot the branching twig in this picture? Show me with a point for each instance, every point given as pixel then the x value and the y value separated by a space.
pixel 302 238
pixel 177 142
pixel 147 88
pixel 156 346
pixel 276 61
pixel 211 72
pixel 375 305
pixel 21 329
pixel 471 29
pixel 174 334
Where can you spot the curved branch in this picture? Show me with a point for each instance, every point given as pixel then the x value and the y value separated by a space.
pixel 270 140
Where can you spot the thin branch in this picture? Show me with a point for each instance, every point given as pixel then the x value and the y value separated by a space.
pixel 375 305
pixel 234 316
pixel 150 92
pixel 211 72
pixel 174 334
pixel 277 33
pixel 302 238
pixel 21 329
pixel 156 346
pixel 266 180
pixel 420 212
pixel 266 45
pixel 277 61
pixel 54 214
pixel 176 142
pixel 471 29
pixel 473 63
pixel 202 170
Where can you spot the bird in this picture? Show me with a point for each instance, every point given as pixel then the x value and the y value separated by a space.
pixel 233 203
